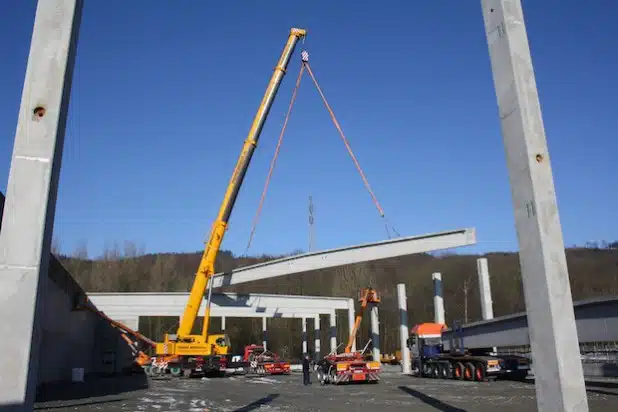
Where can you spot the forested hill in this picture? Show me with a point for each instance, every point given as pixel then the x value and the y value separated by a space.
pixel 593 273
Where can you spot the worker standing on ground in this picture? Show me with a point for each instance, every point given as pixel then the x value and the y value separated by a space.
pixel 306 375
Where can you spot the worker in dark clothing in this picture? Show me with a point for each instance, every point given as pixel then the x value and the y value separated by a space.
pixel 306 367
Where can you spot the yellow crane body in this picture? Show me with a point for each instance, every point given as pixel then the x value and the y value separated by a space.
pixel 184 343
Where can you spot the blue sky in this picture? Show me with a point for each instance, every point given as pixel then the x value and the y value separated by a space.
pixel 163 97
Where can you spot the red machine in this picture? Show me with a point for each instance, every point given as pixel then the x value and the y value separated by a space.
pixel 263 362
pixel 351 366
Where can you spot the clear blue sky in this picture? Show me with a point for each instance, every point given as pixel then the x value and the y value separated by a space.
pixel 164 94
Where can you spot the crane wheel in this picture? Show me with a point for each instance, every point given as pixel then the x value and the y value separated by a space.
pixel 148 370
pixel 176 371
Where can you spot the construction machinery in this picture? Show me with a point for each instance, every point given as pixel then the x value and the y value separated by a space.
pixel 430 360
pixel 351 366
pixel 184 352
pixel 260 361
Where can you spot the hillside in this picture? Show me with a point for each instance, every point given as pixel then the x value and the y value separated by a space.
pixel 593 273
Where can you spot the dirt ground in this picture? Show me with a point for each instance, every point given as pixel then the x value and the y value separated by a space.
pixel 287 393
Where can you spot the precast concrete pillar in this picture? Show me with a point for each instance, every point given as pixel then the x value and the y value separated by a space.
pixel 402 300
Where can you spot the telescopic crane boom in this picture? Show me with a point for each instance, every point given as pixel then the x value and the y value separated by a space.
pixel 184 343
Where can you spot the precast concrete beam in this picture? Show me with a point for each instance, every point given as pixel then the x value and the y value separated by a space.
pixel 487 308
pixel 108 301
pixel 351 322
pixel 559 378
pixel 346 256
pixel 28 216
pixel 123 312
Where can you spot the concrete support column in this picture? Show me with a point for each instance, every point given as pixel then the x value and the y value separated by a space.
pixel 304 320
pixel 264 333
pixel 438 300
pixel 487 309
pixel 403 328
pixel 28 220
pixel 558 369
pixel 375 332
pixel 333 331
pixel 316 330
pixel 223 324
pixel 351 321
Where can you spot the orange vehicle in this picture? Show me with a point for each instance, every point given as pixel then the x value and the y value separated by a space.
pixel 351 366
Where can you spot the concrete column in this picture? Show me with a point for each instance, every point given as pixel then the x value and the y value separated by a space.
pixel 264 333
pixel 28 220
pixel 487 309
pixel 351 321
pixel 558 371
pixel 304 320
pixel 333 331
pixel 438 301
pixel 403 328
pixel 223 324
pixel 316 329
pixel 375 332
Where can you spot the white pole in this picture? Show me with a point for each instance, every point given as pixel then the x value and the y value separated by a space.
pixel 403 328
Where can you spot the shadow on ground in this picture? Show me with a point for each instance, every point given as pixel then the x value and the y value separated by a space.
pixel 594 385
pixel 436 403
pixel 91 391
pixel 259 403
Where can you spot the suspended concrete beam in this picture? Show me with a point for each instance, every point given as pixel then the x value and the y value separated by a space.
pixel 559 378
pixel 347 256
pixel 28 218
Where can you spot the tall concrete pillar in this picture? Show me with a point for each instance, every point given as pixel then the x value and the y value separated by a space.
pixel 438 300
pixel 28 219
pixel 333 331
pixel 351 321
pixel 304 337
pixel 316 329
pixel 375 332
pixel 558 371
pixel 264 332
pixel 487 309
pixel 402 300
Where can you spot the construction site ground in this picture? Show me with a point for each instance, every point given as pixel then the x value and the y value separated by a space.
pixel 287 393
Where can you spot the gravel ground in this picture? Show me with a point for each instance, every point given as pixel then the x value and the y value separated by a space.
pixel 287 393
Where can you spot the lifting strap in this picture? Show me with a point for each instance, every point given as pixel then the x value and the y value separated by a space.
pixel 274 159
pixel 305 66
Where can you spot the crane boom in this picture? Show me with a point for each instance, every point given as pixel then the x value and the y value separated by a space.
pixel 368 295
pixel 207 264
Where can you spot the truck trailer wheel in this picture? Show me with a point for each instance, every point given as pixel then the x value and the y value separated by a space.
pixel 469 371
pixel 480 373
pixel 459 371
pixel 444 370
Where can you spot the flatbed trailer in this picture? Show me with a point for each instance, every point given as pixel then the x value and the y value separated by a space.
pixel 472 367
pixel 480 364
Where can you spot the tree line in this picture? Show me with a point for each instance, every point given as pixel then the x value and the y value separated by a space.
pixel 593 273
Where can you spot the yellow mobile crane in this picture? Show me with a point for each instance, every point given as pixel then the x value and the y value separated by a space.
pixel 185 353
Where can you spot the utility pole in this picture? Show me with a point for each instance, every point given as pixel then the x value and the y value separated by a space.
pixel 311 233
